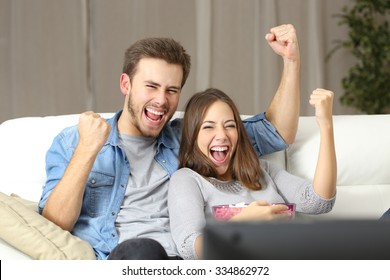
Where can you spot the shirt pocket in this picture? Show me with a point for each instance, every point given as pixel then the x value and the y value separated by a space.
pixel 98 193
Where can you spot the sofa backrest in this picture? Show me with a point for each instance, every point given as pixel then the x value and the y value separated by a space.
pixel 363 162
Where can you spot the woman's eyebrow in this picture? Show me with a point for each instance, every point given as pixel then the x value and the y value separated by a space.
pixel 206 121
pixel 213 122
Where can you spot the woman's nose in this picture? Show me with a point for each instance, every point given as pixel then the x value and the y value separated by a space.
pixel 220 134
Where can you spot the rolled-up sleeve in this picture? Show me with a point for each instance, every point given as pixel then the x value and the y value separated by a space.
pixel 263 135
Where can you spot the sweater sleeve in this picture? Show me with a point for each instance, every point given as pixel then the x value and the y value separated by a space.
pixel 298 190
pixel 186 211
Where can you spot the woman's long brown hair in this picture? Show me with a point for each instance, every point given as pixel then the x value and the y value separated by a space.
pixel 244 165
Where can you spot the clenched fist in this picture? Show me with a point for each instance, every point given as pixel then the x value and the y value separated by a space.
pixel 322 101
pixel 283 40
pixel 93 131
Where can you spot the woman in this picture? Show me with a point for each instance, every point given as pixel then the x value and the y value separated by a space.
pixel 218 165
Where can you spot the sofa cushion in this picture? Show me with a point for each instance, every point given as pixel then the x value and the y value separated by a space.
pixel 36 236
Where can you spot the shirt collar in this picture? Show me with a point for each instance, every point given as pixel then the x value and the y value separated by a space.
pixel 166 138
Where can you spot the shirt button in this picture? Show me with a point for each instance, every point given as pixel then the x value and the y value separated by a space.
pixel 93 181
pixel 113 235
pixel 113 213
pixel 164 161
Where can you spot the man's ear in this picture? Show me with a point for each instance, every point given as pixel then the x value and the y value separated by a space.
pixel 125 84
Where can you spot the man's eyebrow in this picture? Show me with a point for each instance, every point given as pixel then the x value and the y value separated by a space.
pixel 152 83
pixel 158 85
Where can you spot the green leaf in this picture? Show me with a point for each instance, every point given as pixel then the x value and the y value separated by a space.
pixel 367 85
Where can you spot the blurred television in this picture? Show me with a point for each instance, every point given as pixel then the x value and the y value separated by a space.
pixel 297 240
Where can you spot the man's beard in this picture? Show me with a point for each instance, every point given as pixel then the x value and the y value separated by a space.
pixel 134 121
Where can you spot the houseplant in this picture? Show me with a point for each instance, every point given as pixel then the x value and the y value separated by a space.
pixel 367 85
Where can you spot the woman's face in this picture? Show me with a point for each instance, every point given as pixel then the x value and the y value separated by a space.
pixel 217 138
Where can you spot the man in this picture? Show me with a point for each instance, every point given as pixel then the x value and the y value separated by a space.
pixel 107 180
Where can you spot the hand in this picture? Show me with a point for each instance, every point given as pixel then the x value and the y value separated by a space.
pixel 93 131
pixel 261 211
pixel 322 101
pixel 283 40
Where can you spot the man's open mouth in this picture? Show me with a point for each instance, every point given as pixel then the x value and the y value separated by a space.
pixel 154 116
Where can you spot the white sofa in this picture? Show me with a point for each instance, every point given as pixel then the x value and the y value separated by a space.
pixel 362 147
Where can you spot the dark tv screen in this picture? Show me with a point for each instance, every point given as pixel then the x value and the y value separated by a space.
pixel 298 240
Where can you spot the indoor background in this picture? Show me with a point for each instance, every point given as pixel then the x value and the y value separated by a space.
pixel 65 56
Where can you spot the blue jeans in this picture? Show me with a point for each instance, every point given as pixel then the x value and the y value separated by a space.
pixel 140 249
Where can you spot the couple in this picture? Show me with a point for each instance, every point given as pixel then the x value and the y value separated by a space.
pixel 107 180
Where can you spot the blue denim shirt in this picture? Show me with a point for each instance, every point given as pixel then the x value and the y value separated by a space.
pixel 107 181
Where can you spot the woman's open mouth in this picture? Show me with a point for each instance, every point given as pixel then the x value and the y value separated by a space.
pixel 219 153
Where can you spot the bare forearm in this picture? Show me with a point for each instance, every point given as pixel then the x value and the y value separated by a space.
pixel 326 171
pixel 64 204
pixel 283 112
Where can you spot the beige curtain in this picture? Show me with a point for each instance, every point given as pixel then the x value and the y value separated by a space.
pixel 61 57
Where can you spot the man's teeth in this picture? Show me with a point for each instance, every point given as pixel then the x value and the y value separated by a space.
pixel 154 112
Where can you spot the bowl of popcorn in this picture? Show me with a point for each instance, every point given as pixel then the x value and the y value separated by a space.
pixel 226 211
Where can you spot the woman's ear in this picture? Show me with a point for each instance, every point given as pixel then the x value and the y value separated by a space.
pixel 125 84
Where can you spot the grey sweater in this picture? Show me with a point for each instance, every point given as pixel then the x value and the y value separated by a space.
pixel 191 197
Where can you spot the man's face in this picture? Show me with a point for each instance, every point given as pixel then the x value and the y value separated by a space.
pixel 153 97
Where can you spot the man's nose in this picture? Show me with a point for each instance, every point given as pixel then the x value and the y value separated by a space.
pixel 161 97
